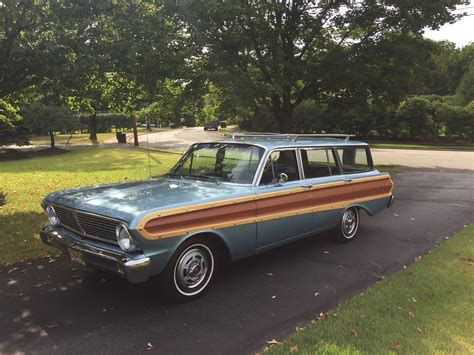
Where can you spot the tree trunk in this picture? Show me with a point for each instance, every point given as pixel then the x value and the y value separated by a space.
pixel 93 127
pixel 51 137
pixel 286 116
pixel 135 131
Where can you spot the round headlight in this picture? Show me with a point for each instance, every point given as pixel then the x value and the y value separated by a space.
pixel 52 217
pixel 124 239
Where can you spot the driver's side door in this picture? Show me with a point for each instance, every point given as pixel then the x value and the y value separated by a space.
pixel 280 204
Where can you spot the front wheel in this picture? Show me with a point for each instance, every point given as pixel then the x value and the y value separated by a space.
pixel 349 225
pixel 190 271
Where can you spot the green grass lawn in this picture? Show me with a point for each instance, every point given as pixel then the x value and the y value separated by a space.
pixel 77 138
pixel 27 181
pixel 426 308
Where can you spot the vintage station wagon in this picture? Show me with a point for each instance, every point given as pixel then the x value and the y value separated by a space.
pixel 223 200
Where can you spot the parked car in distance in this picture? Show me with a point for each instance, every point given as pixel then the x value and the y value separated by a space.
pixel 223 200
pixel 211 125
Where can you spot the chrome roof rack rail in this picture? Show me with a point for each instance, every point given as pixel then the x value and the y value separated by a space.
pixel 291 136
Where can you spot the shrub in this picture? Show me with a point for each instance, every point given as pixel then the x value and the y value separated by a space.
pixel 9 121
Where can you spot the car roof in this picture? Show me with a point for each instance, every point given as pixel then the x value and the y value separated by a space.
pixel 272 143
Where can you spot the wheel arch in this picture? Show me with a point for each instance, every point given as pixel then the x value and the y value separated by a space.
pixel 359 208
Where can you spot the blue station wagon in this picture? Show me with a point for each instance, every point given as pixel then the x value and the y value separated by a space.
pixel 223 200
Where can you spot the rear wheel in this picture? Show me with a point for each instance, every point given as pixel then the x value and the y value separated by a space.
pixel 190 270
pixel 349 225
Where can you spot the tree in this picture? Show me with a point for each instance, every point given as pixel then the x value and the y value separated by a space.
pixel 465 89
pixel 30 43
pixel 280 53
pixel 9 119
pixel 46 119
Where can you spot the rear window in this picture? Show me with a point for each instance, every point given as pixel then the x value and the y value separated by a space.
pixel 354 160
pixel 319 163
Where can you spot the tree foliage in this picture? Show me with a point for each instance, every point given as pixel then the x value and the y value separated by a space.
pixel 281 53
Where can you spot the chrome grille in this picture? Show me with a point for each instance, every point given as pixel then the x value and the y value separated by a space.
pixel 66 216
pixel 87 225
pixel 97 226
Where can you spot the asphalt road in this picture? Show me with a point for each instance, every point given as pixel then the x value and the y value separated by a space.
pixel 181 139
pixel 51 307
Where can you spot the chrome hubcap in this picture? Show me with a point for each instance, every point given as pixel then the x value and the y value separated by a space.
pixel 349 223
pixel 192 268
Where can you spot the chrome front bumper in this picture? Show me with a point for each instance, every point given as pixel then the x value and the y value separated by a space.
pixel 135 269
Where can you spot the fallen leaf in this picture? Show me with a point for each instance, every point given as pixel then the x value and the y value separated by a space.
pixel 316 294
pixel 404 266
pixel 149 346
pixel 446 238
pixel 418 329
pixel 52 325
pixel 380 278
pixel 354 333
pixel 413 299
pixel 399 308
pixel 395 346
pixel 411 314
pixel 274 296
pixel 412 218
pixel 298 329
pixel 273 342
pixel 269 274
pixel 294 349
pixel 12 270
pixel 396 215
pixel 38 285
pixel 326 252
pixel 418 258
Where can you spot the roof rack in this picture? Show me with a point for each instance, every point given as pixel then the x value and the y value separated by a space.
pixel 291 136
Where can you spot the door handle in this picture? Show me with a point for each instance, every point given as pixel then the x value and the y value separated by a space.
pixel 306 186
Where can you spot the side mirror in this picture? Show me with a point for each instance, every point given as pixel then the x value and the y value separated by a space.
pixel 282 178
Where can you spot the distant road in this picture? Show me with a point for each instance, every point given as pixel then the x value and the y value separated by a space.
pixel 181 139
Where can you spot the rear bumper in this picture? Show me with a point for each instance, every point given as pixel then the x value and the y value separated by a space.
pixel 390 201
pixel 136 269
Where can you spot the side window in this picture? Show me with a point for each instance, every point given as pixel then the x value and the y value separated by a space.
pixel 283 161
pixel 319 163
pixel 354 160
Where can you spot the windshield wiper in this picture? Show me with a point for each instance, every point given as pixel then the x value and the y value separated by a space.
pixel 202 176
pixel 175 175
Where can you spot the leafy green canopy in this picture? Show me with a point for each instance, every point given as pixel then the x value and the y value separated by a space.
pixel 281 53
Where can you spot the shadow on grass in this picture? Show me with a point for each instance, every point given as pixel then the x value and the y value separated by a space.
pixel 20 236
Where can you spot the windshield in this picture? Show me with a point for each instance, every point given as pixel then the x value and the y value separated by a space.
pixel 218 162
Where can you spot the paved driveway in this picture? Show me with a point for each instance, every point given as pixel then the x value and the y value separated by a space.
pixel 52 307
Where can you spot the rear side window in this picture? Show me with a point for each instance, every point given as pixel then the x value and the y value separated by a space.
pixel 354 160
pixel 283 161
pixel 319 163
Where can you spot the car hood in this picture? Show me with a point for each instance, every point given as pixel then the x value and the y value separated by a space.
pixel 130 200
